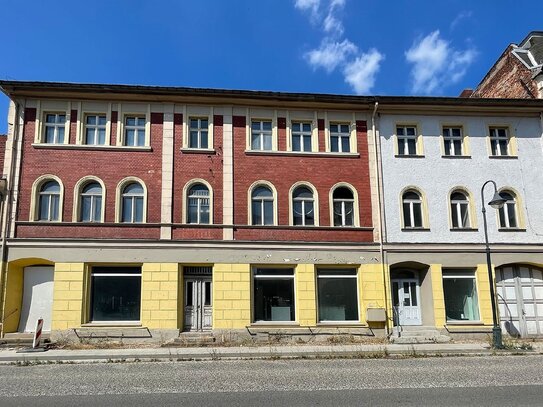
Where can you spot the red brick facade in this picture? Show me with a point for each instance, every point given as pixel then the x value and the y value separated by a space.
pixel 508 78
pixel 70 163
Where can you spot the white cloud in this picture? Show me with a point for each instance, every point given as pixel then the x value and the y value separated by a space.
pixel 330 54
pixel 436 64
pixel 308 5
pixel 361 72
pixel 336 51
pixel 461 16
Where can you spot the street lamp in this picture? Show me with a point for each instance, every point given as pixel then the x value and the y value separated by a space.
pixel 496 202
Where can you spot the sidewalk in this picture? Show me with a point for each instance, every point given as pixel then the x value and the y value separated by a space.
pixel 257 352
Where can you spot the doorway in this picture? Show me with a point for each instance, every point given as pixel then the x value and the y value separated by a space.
pixel 37 298
pixel 406 298
pixel 198 299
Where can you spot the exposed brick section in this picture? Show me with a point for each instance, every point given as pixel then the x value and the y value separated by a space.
pixel 304 234
pixel 196 233
pixel 73 127
pixel 508 78
pixel 110 166
pixel 190 165
pixel 284 171
pixel 322 135
pixel 114 118
pixel 282 133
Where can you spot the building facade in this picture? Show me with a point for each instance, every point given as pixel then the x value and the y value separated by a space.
pixel 150 211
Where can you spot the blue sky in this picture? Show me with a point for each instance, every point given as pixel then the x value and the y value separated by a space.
pixel 403 47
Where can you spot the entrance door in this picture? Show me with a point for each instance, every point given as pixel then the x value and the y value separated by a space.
pixel 405 296
pixel 520 300
pixel 37 298
pixel 198 310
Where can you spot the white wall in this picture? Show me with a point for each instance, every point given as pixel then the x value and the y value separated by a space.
pixel 437 176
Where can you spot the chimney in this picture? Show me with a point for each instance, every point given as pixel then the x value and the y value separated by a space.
pixel 466 93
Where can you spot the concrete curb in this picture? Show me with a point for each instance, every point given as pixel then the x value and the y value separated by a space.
pixel 267 352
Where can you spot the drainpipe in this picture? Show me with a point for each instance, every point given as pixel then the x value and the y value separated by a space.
pixel 6 212
pixel 378 178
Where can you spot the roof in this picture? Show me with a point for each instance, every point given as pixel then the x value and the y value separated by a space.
pixel 158 94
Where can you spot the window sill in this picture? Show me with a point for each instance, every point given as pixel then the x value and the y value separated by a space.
pixel 415 229
pixel 198 151
pixel 302 153
pixel 464 323
pixel 108 324
pixel 343 324
pixel 409 156
pixel 274 324
pixel 464 229
pixel 90 147
pixel 511 230
pixel 457 157
pixel 503 157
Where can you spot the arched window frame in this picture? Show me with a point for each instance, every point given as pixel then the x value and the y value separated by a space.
pixel 119 198
pixel 253 186
pixel 472 215
pixel 518 213
pixel 424 209
pixel 35 201
pixel 315 201
pixel 78 190
pixel 356 205
pixel 186 189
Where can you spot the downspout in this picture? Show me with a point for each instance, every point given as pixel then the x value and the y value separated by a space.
pixel 378 177
pixel 7 210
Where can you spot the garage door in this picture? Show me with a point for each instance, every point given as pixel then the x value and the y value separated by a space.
pixel 37 298
pixel 520 299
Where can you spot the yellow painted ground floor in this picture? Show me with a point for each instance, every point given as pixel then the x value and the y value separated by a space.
pixel 224 296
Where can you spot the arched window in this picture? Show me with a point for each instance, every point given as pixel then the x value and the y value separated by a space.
pixel 460 210
pixel 412 210
pixel 49 201
pixel 91 203
pixel 262 206
pixel 132 203
pixel 303 207
pixel 508 213
pixel 198 204
pixel 343 203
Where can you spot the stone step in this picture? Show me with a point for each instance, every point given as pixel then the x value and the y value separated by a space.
pixel 192 338
pixel 428 333
pixel 420 339
pixel 21 339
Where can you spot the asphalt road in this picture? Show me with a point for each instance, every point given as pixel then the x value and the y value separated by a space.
pixel 452 381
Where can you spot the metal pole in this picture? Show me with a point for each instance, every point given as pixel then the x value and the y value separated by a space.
pixel 496 329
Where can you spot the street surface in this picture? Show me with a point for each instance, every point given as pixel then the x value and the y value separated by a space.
pixel 440 381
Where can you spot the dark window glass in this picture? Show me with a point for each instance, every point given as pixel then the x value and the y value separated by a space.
pixel 116 294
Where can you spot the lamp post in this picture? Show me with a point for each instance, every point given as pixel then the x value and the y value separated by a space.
pixel 497 202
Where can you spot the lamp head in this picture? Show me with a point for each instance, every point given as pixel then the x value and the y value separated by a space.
pixel 497 201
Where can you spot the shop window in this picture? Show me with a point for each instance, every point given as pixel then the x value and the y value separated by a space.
pixel 115 294
pixel 273 294
pixel 337 295
pixel 460 292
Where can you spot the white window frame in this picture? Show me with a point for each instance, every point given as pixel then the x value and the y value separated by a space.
pixel 78 190
pixel 35 198
pixel 405 138
pixel 255 185
pixel 56 126
pixel 411 203
pixel 199 129
pixel 262 133
pixel 456 210
pixel 344 276
pixel 494 137
pixel 95 127
pixel 315 201
pixel 341 135
pixel 186 190
pixel 448 136
pixel 119 200
pixel 302 134
pixel 274 277
pixel 508 203
pixel 133 110
pixel 453 274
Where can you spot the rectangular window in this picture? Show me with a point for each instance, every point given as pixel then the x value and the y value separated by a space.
pixel 261 135
pixel 460 292
pixel 407 140
pixel 337 295
pixel 198 133
pixel 54 128
pixel 95 130
pixel 499 141
pixel 273 294
pixel 301 136
pixel 134 131
pixel 115 294
pixel 340 138
pixel 452 140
